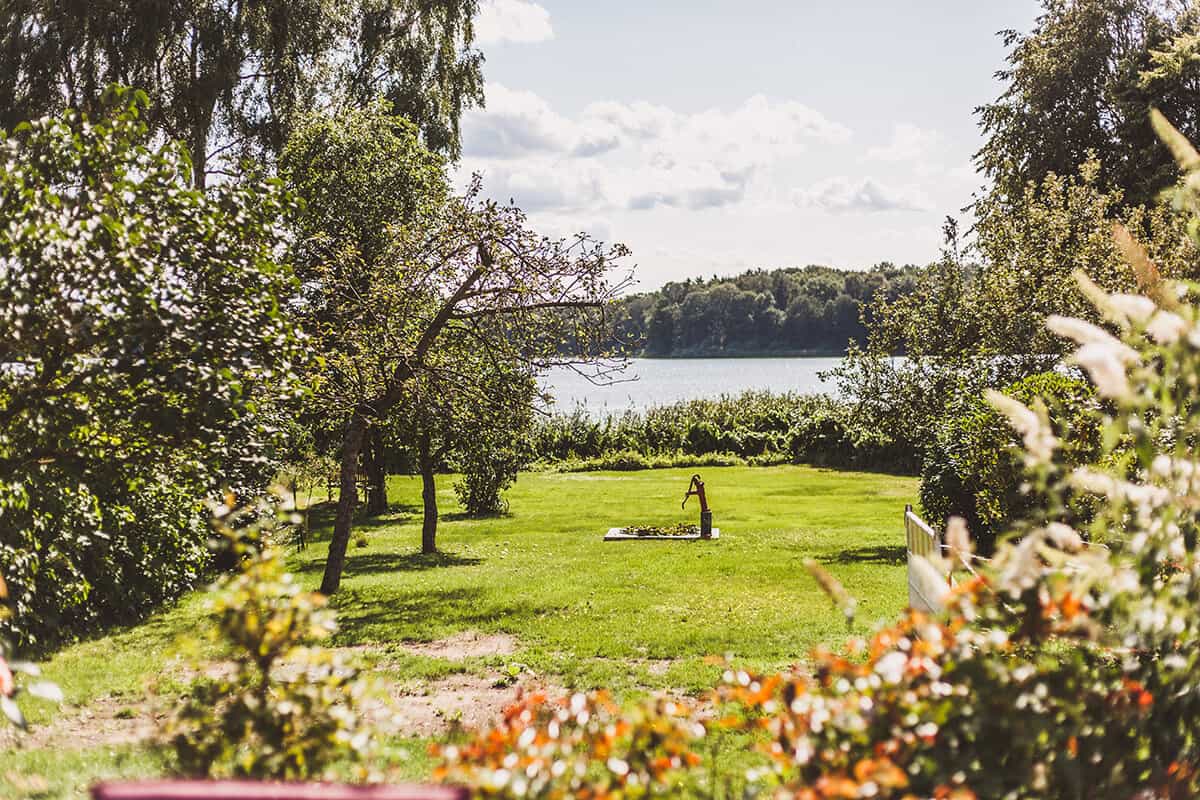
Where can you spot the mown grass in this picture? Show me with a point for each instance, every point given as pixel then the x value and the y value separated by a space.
pixel 585 613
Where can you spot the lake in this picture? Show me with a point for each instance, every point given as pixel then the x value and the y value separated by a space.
pixel 660 381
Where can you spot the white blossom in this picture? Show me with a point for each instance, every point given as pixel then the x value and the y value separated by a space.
pixel 891 667
pixel 1064 537
pixel 1166 327
pixel 1078 330
pixel 1133 306
pixel 1040 442
pixel 1105 364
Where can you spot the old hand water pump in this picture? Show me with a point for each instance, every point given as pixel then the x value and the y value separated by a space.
pixel 696 487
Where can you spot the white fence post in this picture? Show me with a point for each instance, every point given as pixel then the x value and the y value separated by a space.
pixel 922 542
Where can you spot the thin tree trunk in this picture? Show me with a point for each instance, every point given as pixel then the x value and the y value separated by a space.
pixel 377 500
pixel 352 442
pixel 428 498
pixel 199 154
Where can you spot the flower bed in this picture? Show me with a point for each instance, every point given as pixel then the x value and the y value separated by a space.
pixel 657 533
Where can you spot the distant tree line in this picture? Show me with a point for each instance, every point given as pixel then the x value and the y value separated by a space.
pixel 811 309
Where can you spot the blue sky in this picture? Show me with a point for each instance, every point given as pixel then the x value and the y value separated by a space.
pixel 712 137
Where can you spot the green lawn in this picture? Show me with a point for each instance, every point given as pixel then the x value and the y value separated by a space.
pixel 630 616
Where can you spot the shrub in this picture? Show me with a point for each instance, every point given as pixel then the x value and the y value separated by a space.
pixel 142 339
pixel 582 746
pixel 830 438
pixel 290 709
pixel 973 468
pixel 486 474
pixel 754 427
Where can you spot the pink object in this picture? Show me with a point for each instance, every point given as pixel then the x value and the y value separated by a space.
pixel 253 790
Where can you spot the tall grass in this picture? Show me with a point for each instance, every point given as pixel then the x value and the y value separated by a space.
pixel 752 427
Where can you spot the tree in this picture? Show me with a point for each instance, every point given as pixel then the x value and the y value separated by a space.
pixel 473 419
pixel 364 171
pixel 229 78
pixel 971 325
pixel 141 339
pixel 457 271
pixel 1080 86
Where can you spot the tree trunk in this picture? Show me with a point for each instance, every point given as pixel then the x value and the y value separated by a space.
pixel 428 498
pixel 352 442
pixel 377 500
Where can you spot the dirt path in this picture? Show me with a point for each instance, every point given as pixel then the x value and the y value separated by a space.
pixel 428 709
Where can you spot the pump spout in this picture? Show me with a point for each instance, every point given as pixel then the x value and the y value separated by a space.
pixel 696 487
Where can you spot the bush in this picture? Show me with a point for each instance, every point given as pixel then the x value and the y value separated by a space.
pixel 581 746
pixel 754 427
pixel 289 710
pixel 143 342
pixel 486 474
pixel 631 460
pixel 973 468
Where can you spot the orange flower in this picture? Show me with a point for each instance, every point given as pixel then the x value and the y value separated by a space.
pixel 837 786
pixel 1070 606
pixel 7 685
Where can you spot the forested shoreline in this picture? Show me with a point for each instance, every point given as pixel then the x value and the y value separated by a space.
pixel 812 310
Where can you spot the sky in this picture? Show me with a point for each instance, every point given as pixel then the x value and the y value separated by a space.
pixel 715 136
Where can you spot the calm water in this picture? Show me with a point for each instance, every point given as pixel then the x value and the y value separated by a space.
pixel 659 381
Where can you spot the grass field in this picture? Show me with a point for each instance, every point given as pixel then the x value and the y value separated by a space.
pixel 578 612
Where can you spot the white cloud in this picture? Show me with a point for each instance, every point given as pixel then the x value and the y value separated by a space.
pixel 863 195
pixel 636 156
pixel 518 21
pixel 516 124
pixel 541 184
pixel 967 173
pixel 908 143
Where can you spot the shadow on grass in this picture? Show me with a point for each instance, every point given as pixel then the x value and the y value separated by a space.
pixel 403 614
pixel 372 563
pixel 463 516
pixel 382 563
pixel 892 555
pixel 321 517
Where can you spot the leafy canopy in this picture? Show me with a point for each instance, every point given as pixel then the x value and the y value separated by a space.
pixel 230 78
pixel 141 340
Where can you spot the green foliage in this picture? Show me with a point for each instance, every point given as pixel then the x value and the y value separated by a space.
pixel 1032 244
pixel 488 467
pixel 967 327
pixel 754 427
pixel 632 460
pixel 809 310
pixel 477 423
pixel 290 709
pixel 749 424
pixel 141 346
pixel 974 468
pixel 463 279
pixel 1078 86
pixel 230 80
